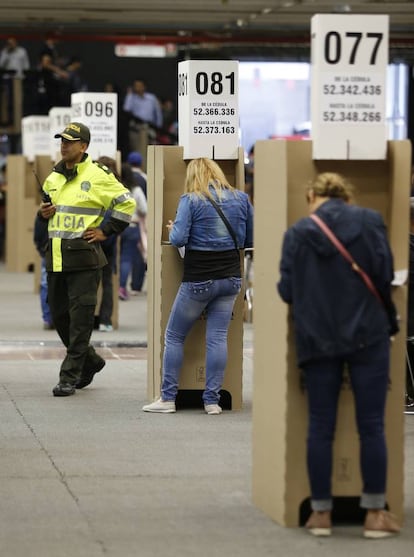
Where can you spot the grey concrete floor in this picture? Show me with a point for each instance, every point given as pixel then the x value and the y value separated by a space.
pixel 93 476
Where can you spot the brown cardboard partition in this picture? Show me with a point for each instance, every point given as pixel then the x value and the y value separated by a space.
pixel 23 198
pixel 166 175
pixel 280 484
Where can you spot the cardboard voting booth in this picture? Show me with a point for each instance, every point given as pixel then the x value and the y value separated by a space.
pixel 166 175
pixel 280 483
pixel 23 198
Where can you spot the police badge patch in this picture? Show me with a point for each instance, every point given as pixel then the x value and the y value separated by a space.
pixel 85 186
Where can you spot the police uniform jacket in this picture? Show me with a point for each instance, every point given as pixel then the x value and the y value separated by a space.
pixel 82 196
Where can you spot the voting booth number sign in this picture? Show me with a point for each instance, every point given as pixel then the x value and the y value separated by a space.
pixel 208 110
pixel 349 56
pixel 98 111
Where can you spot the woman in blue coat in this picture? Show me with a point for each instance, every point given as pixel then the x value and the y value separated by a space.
pixel 339 321
pixel 212 276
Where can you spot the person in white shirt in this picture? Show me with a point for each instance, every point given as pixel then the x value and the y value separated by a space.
pixel 14 58
pixel 143 110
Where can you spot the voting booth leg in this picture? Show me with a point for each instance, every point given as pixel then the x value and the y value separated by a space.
pixel 280 483
pixel 166 175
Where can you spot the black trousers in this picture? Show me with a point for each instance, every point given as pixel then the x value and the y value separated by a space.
pixel 72 299
pixel 409 385
pixel 107 301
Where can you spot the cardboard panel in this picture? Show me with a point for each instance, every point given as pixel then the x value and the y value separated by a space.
pixel 166 175
pixel 43 166
pixel 280 484
pixel 20 214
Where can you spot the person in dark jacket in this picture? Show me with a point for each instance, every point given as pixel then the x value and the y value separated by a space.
pixel 339 322
pixel 409 393
pixel 41 239
pixel 109 247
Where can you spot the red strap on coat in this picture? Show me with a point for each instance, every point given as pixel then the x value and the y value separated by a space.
pixel 342 249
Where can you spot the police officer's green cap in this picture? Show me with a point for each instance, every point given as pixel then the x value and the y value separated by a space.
pixel 75 131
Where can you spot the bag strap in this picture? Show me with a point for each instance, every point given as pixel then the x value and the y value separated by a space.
pixel 224 219
pixel 345 253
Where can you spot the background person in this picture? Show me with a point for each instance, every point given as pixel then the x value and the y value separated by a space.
pixel 139 266
pixel 109 248
pixel 143 108
pixel 14 58
pixel 409 390
pixel 80 192
pixel 41 239
pixel 212 276
pixel 3 194
pixel 134 237
pixel 43 88
pixel 338 321
pixel 135 160
pixel 49 47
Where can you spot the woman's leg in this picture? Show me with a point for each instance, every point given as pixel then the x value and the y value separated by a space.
pixel 369 371
pixel 323 379
pixel 190 301
pixel 219 314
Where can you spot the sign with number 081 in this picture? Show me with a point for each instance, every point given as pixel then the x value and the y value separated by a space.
pixel 349 56
pixel 208 111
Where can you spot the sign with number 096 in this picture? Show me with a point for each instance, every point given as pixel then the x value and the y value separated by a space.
pixel 349 56
pixel 99 111
pixel 208 110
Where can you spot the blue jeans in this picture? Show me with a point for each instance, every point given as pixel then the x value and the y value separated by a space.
pixel 217 297
pixel 47 318
pixel 368 370
pixel 129 253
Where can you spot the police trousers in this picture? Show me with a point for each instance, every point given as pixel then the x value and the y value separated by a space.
pixel 72 299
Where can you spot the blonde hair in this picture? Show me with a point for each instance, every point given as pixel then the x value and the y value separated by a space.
pixel 202 173
pixel 330 184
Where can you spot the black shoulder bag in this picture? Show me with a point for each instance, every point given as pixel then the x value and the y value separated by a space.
pixel 224 219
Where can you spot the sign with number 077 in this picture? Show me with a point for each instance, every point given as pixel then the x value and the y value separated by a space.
pixel 349 56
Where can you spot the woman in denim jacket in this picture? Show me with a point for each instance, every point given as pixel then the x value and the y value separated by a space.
pixel 212 276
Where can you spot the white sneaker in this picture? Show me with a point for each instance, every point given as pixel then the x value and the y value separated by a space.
pixel 105 328
pixel 161 406
pixel 213 409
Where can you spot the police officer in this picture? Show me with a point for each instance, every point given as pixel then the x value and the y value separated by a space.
pixel 76 196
